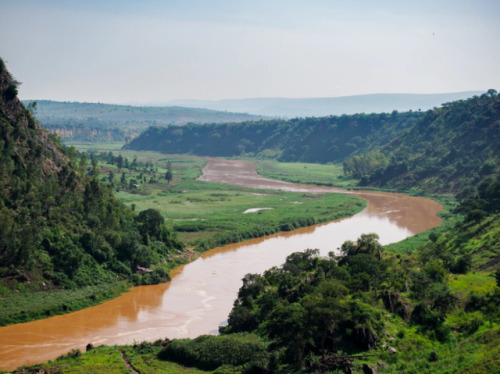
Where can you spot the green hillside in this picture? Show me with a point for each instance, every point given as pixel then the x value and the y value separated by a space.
pixel 60 228
pixel 444 149
pixel 448 149
pixel 327 139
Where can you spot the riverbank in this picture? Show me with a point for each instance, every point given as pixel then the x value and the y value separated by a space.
pixel 382 208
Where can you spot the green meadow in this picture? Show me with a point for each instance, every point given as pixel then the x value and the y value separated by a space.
pixel 206 215
pixel 307 173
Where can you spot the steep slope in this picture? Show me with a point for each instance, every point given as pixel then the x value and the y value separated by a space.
pixel 454 146
pixel 59 227
pixel 322 140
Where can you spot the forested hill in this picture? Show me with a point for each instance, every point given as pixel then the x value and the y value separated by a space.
pixel 107 122
pixel 444 149
pixel 450 148
pixel 59 227
pixel 326 139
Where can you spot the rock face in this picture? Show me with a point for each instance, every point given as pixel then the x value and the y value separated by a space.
pixel 365 338
pixel 21 131
pixel 142 270
pixel 396 303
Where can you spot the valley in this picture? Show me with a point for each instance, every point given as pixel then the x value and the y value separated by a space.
pixel 395 286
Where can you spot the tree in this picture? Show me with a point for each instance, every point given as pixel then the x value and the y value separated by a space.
pixel 119 161
pixel 288 324
pixel 168 174
pixel 366 244
pixel 150 224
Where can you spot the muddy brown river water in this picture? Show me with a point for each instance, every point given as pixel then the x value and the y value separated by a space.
pixel 201 294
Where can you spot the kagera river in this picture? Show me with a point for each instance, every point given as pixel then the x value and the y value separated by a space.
pixel 200 295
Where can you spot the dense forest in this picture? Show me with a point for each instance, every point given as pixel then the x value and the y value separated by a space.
pixel 326 139
pixel 59 226
pixel 448 149
pixel 98 122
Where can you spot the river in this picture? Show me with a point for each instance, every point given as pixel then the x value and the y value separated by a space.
pixel 200 295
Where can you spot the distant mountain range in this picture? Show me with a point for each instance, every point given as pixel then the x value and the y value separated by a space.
pixel 317 107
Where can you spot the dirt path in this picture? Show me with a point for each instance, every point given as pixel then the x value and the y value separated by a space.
pixel 128 364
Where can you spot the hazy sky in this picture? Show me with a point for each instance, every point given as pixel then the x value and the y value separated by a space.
pixel 125 51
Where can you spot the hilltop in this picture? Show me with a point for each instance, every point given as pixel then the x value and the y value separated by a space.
pixel 110 122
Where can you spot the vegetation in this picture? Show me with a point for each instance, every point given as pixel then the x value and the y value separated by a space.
pixel 25 306
pixel 98 122
pixel 363 310
pixel 206 215
pixel 142 358
pixel 60 228
pixel 306 173
pixel 441 150
pixel 208 352
pixel 321 140
pixel 429 304
pixel 450 148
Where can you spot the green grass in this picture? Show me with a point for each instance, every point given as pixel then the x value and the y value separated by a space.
pixel 476 353
pixel 215 210
pixel 306 173
pixel 16 307
pixel 112 359
pixel 478 282
pixel 206 215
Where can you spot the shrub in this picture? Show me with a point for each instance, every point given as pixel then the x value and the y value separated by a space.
pixel 208 352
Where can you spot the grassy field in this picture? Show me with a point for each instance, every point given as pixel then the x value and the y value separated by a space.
pixel 207 215
pixel 299 172
pixel 112 359
pixel 27 306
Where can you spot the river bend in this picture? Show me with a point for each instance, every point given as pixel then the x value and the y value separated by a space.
pixel 201 294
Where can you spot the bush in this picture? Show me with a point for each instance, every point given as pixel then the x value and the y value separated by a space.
pixel 208 352
pixel 10 92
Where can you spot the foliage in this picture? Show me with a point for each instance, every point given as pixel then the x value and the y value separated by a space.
pixel 59 226
pixel 325 139
pixel 207 215
pixel 315 307
pixel 25 306
pixel 306 173
pixel 209 352
pixel 450 148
